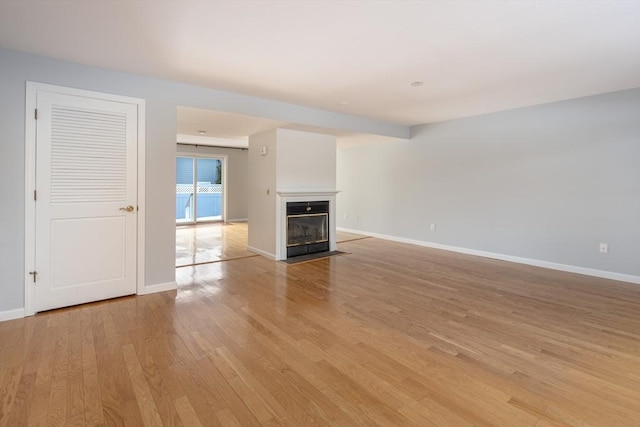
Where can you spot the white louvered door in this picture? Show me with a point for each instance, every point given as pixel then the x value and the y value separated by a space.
pixel 85 178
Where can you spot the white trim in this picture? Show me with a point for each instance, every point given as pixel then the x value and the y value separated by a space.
pixel 303 192
pixel 29 187
pixel 209 141
pixel 520 260
pixel 142 206
pixel 159 287
pixel 225 166
pixel 31 92
pixel 17 313
pixel 261 252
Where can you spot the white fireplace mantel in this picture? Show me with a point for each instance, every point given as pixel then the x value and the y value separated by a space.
pixel 302 195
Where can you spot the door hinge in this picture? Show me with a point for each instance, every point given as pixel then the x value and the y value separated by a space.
pixel 33 274
pixel 35 195
pixel 35 114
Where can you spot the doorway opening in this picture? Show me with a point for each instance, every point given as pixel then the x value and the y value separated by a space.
pixel 200 195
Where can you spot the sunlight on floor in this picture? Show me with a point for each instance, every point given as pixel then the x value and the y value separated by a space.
pixel 210 242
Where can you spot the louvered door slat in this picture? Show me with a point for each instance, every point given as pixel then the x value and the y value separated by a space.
pixel 87 153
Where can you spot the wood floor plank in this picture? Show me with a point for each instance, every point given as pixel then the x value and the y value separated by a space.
pixel 9 389
pixel 93 411
pixel 112 408
pixel 227 419
pixel 186 412
pixel 56 415
pixel 144 397
pixel 197 393
pixel 21 400
pixel 245 379
pixel 18 369
pixel 301 412
pixel 258 408
pixel 39 407
pixel 121 396
pixel 75 381
pixel 160 393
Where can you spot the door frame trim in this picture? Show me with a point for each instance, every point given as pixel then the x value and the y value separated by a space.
pixel 32 89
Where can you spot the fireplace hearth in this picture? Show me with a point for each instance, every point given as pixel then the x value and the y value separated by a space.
pixel 307 227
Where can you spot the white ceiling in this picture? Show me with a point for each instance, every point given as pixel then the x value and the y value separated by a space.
pixel 205 127
pixel 474 57
pixel 232 130
pixel 222 125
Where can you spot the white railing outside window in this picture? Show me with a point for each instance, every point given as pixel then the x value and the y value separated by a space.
pixel 203 187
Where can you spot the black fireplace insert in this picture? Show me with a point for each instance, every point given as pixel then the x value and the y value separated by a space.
pixel 307 228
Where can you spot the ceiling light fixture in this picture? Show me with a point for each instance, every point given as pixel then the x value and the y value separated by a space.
pixel 202 132
pixel 343 103
pixel 416 84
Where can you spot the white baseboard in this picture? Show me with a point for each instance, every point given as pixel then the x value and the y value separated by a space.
pixel 261 252
pixel 537 263
pixel 238 220
pixel 17 313
pixel 160 287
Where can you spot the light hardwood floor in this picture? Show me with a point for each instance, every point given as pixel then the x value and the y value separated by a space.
pixel 389 335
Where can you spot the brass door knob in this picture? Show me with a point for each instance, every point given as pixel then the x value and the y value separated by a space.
pixel 128 208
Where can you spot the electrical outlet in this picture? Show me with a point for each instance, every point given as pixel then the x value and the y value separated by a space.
pixel 344 216
pixel 433 227
pixel 604 248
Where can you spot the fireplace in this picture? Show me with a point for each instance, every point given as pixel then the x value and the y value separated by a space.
pixel 294 202
pixel 307 227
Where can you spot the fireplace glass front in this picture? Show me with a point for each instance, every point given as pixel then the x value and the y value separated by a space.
pixel 307 228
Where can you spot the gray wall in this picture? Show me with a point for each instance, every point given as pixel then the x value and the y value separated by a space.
pixel 162 99
pixel 548 182
pixel 237 174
